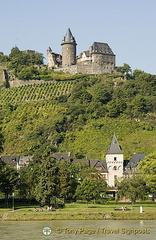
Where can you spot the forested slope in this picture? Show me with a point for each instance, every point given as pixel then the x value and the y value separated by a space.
pixel 80 116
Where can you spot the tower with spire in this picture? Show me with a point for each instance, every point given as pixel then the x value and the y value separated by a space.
pixel 114 161
pixel 68 49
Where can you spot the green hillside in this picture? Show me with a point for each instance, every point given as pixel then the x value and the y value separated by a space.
pixel 35 92
pixel 80 116
pixel 2 66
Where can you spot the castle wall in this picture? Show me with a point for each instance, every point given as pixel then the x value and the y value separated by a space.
pixel 51 62
pixel 103 63
pixel 77 69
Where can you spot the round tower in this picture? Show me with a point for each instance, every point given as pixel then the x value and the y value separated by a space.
pixel 68 49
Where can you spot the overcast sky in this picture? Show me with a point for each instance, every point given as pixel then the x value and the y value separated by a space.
pixel 128 26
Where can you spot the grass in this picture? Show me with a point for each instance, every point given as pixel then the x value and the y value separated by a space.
pixel 74 211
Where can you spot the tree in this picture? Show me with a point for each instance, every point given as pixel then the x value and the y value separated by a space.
pixel 47 188
pixel 79 93
pixel 125 69
pixel 67 180
pixel 28 73
pixel 137 73
pixel 133 188
pixel 116 107
pixel 147 168
pixel 9 179
pixel 101 93
pixel 18 59
pixel 1 142
pixel 91 189
pixel 89 172
pixel 138 106
pixel 3 58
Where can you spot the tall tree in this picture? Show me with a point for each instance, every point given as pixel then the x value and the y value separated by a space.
pixel 91 189
pixel 47 188
pixel 133 188
pixel 147 168
pixel 125 69
pixel 67 180
pixel 9 179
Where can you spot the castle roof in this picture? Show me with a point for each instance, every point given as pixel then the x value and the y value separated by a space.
pixel 101 48
pixel 68 37
pixel 114 147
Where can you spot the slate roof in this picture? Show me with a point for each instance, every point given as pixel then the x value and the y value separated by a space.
pixel 87 161
pixel 10 160
pixel 94 163
pixel 114 148
pixel 62 156
pixel 16 161
pixel 99 164
pixel 135 159
pixel 102 48
pixel 68 37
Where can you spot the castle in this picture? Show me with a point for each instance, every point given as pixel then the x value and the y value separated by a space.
pixel 98 59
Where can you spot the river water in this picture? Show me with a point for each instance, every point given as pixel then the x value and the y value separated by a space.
pixel 79 230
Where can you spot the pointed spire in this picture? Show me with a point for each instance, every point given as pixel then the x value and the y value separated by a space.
pixel 49 49
pixel 114 148
pixel 68 37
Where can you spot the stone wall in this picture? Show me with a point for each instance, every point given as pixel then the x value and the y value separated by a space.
pixel 17 82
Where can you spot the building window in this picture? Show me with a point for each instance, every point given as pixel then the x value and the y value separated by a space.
pixel 115 158
pixel 115 168
pixel 115 178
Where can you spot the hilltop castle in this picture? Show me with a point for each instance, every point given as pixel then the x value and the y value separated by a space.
pixel 97 60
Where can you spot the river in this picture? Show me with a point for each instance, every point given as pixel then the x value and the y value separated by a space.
pixel 79 230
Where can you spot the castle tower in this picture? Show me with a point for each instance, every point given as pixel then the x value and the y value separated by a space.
pixel 68 49
pixel 114 160
pixel 54 59
pixel 50 59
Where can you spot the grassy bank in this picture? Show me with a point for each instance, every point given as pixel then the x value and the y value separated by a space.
pixel 79 212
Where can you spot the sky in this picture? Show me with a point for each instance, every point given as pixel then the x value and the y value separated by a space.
pixel 128 26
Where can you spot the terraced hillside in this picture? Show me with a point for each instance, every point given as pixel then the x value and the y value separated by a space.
pixel 35 92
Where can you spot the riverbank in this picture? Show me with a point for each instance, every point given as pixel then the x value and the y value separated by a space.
pixel 80 212
pixel 46 216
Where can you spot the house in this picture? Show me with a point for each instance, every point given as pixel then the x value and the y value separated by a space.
pixel 16 161
pixel 131 167
pixel 113 167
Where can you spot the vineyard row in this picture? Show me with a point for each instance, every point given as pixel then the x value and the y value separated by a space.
pixel 35 92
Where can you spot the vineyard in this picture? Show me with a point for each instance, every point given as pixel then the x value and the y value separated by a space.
pixel 35 92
